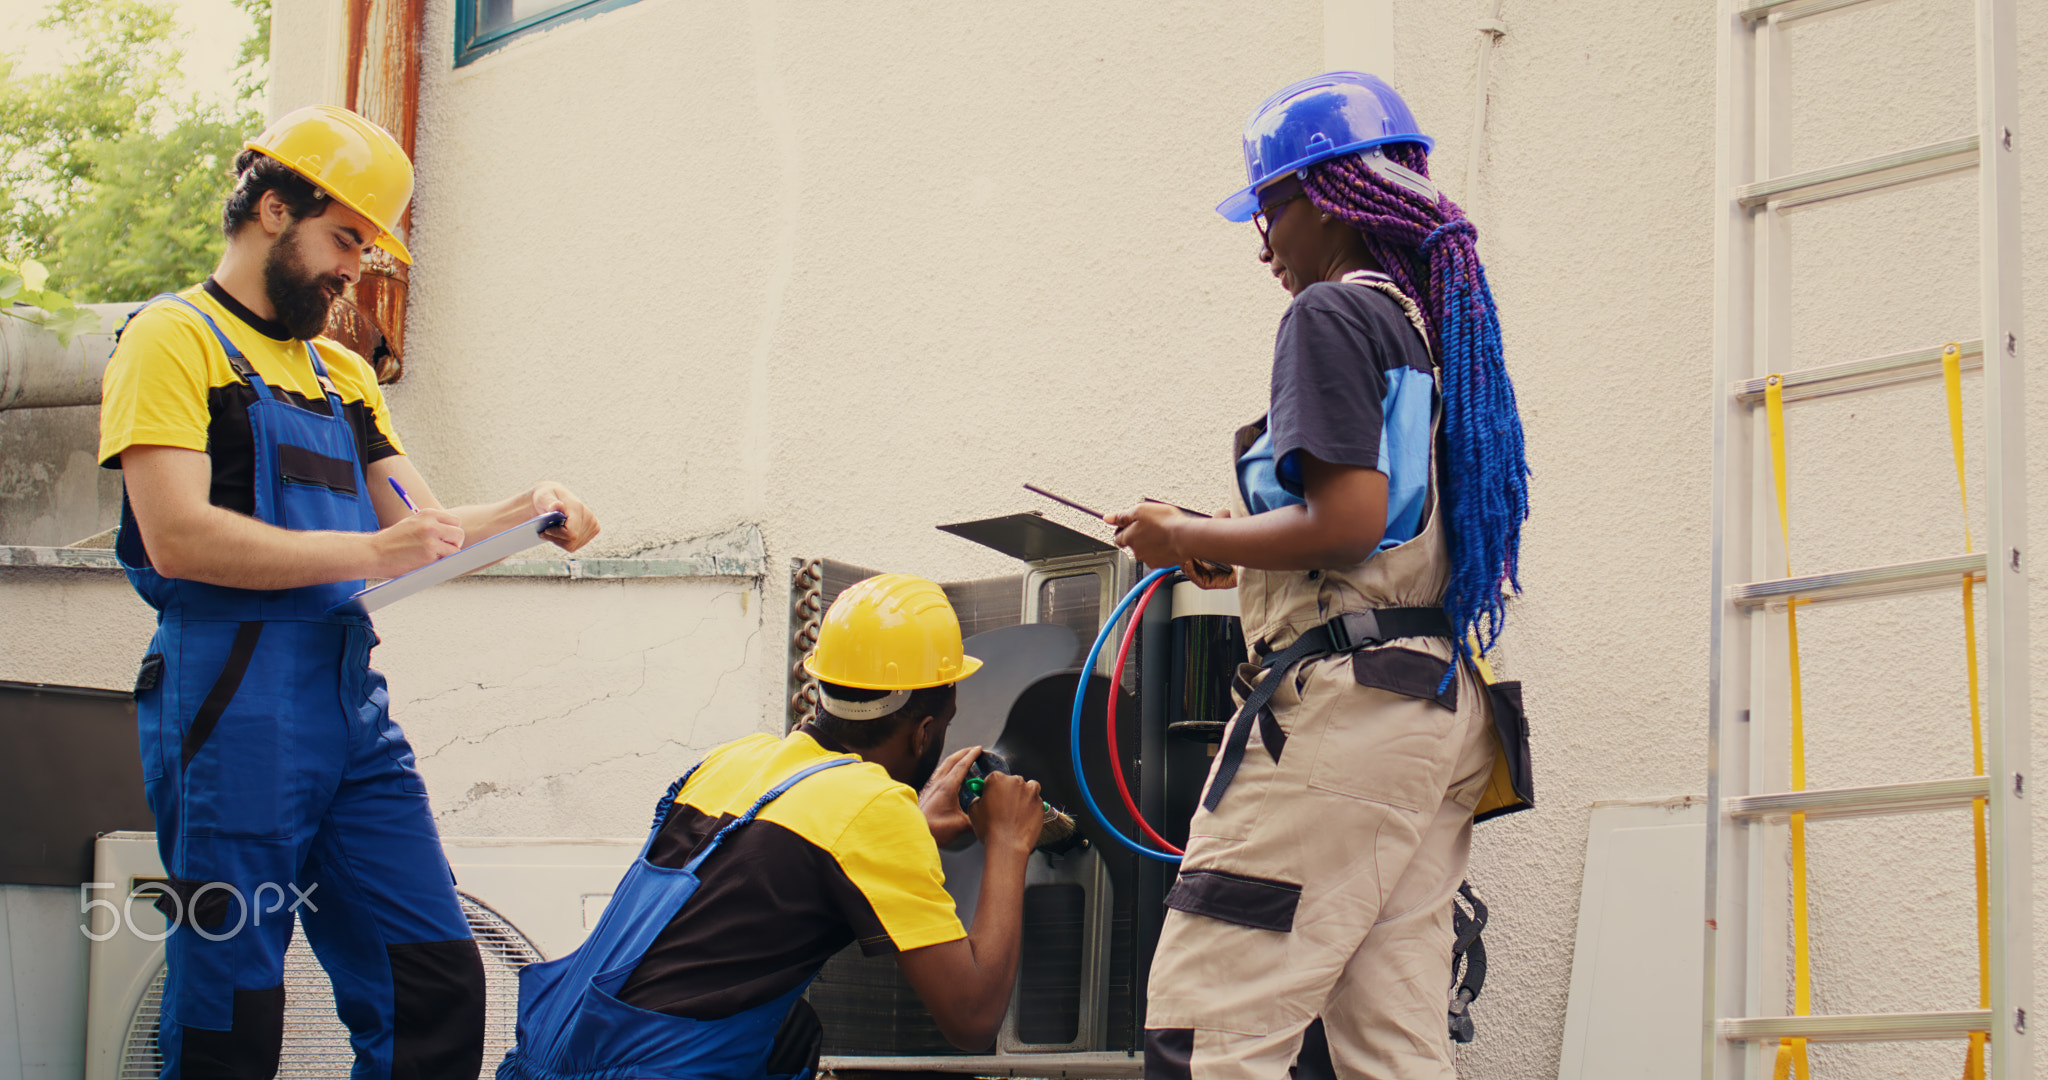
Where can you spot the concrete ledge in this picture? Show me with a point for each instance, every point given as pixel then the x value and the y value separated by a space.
pixel 59 558
pixel 579 569
pixel 735 553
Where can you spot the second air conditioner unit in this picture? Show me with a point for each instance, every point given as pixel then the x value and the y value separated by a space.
pixel 526 900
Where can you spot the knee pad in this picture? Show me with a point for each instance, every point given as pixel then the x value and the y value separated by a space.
pixel 437 990
pixel 248 1051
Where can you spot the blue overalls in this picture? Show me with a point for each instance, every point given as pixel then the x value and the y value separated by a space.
pixel 572 1025
pixel 282 788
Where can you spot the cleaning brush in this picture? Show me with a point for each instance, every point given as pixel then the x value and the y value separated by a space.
pixel 1056 835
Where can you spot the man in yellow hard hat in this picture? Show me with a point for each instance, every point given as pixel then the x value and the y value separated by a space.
pixel 261 473
pixel 774 854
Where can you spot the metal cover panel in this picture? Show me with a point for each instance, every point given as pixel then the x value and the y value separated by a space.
pixel 1028 537
pixel 70 769
pixel 1634 1006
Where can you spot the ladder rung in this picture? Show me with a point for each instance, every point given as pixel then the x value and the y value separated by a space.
pixel 1856 177
pixel 1909 798
pixel 1852 375
pixel 1759 10
pixel 1866 1027
pixel 1919 576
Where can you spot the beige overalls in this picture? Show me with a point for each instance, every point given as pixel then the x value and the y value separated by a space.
pixel 1321 884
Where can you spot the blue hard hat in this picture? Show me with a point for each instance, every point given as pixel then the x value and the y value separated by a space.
pixel 1315 120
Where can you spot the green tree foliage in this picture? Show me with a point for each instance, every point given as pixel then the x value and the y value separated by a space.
pixel 112 184
pixel 150 221
pixel 22 296
pixel 252 62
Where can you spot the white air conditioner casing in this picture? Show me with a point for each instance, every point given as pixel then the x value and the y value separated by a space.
pixel 527 899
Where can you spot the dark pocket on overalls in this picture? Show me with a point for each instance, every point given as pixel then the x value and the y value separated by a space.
pixel 1406 672
pixel 317 491
pixel 298 465
pixel 1237 899
pixel 149 716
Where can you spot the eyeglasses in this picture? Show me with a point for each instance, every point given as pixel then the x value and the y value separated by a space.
pixel 1262 219
pixel 1279 195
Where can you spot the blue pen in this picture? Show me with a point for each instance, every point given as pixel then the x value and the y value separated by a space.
pixel 402 496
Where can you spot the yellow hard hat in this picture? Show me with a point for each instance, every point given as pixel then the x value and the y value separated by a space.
pixel 891 632
pixel 350 158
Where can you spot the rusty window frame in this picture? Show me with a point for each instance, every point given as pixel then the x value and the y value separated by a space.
pixel 471 41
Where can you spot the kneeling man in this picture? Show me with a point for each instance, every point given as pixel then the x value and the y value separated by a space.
pixel 774 854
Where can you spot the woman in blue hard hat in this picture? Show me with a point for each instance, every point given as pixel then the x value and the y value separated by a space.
pixel 1378 512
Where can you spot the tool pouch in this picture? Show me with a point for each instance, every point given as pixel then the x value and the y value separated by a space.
pixel 1511 788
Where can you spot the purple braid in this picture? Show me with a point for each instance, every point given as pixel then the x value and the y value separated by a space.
pixel 1392 220
pixel 1430 251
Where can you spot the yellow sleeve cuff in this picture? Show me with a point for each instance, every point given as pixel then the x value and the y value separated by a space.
pixel 112 443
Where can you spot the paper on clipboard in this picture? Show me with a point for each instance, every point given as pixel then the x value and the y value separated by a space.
pixel 474 557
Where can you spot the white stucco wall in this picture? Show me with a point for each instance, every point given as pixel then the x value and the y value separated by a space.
pixel 535 708
pixel 846 272
pixel 565 708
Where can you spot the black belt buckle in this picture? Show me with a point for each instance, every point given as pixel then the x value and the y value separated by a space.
pixel 1340 635
pixel 1352 631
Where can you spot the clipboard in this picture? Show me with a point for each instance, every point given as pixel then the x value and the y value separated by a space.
pixel 476 556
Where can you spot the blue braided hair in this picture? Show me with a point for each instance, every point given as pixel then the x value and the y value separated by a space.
pixel 1430 250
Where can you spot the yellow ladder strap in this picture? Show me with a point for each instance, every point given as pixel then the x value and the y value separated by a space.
pixel 1792 1061
pixel 1952 379
pixel 1791 1058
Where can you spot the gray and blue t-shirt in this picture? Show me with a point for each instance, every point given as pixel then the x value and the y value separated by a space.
pixel 1352 385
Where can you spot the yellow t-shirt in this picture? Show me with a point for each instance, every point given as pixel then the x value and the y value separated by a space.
pixel 169 383
pixel 845 856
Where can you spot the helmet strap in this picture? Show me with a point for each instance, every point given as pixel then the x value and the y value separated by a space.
pixel 863 710
pixel 1398 174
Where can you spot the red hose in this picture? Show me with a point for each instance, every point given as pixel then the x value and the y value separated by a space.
pixel 1116 767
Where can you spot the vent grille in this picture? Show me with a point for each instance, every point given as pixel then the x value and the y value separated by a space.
pixel 315 1042
pixel 1049 999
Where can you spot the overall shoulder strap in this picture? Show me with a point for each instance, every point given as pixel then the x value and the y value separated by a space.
pixel 668 799
pixel 326 384
pixel 767 797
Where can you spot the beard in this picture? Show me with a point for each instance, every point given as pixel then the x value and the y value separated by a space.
pixel 300 297
pixel 928 764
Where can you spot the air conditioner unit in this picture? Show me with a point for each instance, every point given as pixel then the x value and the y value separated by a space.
pixel 526 900
pixel 1091 916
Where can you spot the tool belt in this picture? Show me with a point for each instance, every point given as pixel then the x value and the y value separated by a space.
pixel 1342 634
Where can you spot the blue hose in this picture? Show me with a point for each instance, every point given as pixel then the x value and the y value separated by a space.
pixel 1081 697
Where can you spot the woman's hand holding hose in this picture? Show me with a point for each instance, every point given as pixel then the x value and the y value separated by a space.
pixel 1339 525
pixel 1210 575
pixel 1156 535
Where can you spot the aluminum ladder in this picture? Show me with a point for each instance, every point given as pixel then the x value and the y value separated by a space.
pixel 1746 847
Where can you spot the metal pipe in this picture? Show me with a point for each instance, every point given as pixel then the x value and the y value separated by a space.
pixel 381 50
pixel 36 372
